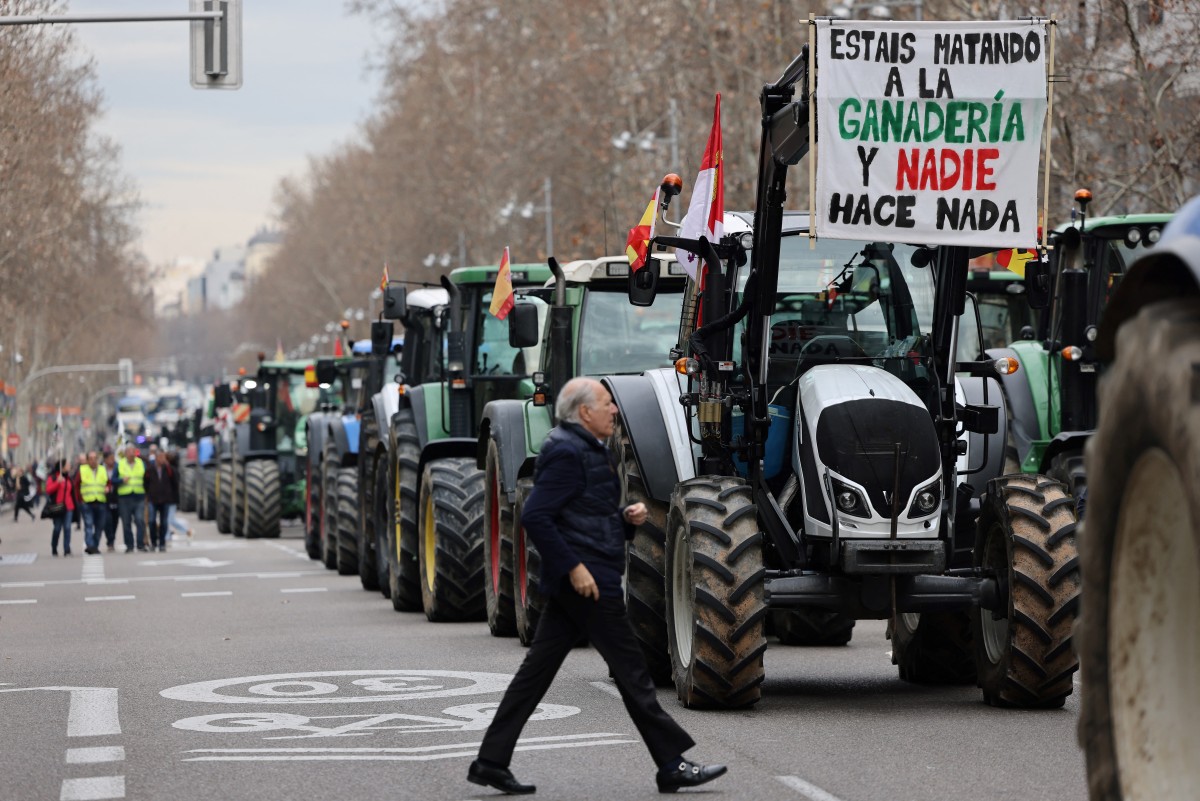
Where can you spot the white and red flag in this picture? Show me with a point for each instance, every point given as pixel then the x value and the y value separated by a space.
pixel 706 211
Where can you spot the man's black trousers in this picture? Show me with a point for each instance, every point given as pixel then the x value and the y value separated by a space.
pixel 567 617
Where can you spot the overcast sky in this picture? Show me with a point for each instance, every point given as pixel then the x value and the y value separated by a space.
pixel 206 163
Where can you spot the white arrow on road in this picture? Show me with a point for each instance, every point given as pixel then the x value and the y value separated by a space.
pixel 195 561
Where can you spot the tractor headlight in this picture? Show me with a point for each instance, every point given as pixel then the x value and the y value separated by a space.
pixel 927 500
pixel 849 500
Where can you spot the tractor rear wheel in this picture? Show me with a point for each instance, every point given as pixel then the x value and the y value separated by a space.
pixel 932 647
pixel 714 593
pixel 528 601
pixel 208 511
pixel 330 464
pixel 382 511
pixel 812 627
pixel 312 512
pixel 497 549
pixel 224 478
pixel 1026 536
pixel 1139 628
pixel 404 572
pixel 187 489
pixel 1069 469
pixel 346 510
pixel 645 583
pixel 237 490
pixel 370 460
pixel 264 501
pixel 451 542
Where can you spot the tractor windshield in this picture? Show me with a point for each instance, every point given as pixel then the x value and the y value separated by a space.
pixel 493 355
pixel 618 337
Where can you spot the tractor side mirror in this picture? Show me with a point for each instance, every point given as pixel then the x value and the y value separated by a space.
pixel 1037 284
pixel 326 372
pixel 222 396
pixel 395 302
pixel 523 326
pixel 643 284
pixel 381 338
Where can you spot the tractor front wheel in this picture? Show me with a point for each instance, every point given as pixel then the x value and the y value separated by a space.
pixel 346 514
pixel 404 572
pixel 451 541
pixel 224 478
pixel 497 549
pixel 528 601
pixel 263 499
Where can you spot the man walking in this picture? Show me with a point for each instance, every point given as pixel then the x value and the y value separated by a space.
pixel 93 485
pixel 131 498
pixel 114 509
pixel 574 518
pixel 161 486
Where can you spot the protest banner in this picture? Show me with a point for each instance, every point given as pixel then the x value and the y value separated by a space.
pixel 930 132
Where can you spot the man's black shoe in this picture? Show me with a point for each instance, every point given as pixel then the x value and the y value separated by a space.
pixel 686 774
pixel 497 778
pixel 91 551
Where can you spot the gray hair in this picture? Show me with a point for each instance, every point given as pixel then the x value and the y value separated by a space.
pixel 575 393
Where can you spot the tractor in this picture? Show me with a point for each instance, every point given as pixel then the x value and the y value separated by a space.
pixel 436 544
pixel 820 446
pixel 590 329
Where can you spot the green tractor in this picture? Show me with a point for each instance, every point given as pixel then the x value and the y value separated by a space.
pixel 436 544
pixel 590 329
pixel 1052 398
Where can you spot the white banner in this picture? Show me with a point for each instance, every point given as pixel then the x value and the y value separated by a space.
pixel 930 132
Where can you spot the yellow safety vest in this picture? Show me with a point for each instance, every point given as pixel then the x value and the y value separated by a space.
pixel 93 483
pixel 131 477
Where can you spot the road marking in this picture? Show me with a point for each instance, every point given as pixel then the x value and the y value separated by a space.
pixel 93 788
pixel 13 559
pixel 196 561
pixel 93 567
pixel 811 791
pixel 93 710
pixel 21 601
pixel 93 582
pixel 205 594
pixel 366 686
pixel 110 597
pixel 414 754
pixel 86 756
pixel 26 584
pixel 290 574
pixel 606 688
pixel 287 575
pixel 304 589
pixel 290 551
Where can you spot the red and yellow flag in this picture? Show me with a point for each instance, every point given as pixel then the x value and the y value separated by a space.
pixel 637 246
pixel 1015 260
pixel 383 282
pixel 502 294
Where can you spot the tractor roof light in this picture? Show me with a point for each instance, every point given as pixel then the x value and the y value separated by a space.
pixel 1133 236
pixel 1072 353
pixel 249 383
pixel 688 367
pixel 1091 332
pixel 671 185
pixel 1083 196
pixel 1153 235
pixel 1007 365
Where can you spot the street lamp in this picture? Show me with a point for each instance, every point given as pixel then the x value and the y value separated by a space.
pixel 876 9
pixel 441 260
pixel 646 140
pixel 528 209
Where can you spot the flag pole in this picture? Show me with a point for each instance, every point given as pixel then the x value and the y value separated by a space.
pixel 810 91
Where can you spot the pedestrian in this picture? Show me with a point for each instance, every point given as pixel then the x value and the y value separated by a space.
pixel 131 498
pixel 174 522
pixel 26 492
pixel 93 489
pixel 112 505
pixel 60 490
pixel 162 491
pixel 575 519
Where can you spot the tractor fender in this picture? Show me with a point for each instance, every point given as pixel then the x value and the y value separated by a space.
pixel 416 398
pixel 1018 400
pixel 504 422
pixel 343 438
pixel 204 451
pixel 456 447
pixel 316 438
pixel 979 472
pixel 1065 441
pixel 385 403
pixel 658 428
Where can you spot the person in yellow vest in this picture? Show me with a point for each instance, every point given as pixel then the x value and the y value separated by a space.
pixel 131 498
pixel 93 488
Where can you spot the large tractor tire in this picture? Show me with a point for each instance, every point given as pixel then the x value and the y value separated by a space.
pixel 371 460
pixel 312 512
pixel 404 572
pixel 208 510
pixel 187 489
pixel 1026 536
pixel 498 549
pixel 237 490
pixel 224 481
pixel 812 627
pixel 347 521
pixel 330 466
pixel 1069 469
pixel 528 601
pixel 645 582
pixel 264 499
pixel 382 511
pixel 451 541
pixel 715 608
pixel 933 647
pixel 1139 628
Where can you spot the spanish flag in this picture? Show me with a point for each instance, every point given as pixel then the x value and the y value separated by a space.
pixel 383 282
pixel 637 246
pixel 1015 260
pixel 502 294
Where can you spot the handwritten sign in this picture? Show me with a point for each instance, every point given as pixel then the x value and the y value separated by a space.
pixel 930 133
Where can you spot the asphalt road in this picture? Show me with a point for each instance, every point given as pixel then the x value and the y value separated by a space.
pixel 237 669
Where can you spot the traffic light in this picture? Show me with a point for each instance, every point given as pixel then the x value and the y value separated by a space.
pixel 217 45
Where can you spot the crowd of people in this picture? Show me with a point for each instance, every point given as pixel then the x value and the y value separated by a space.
pixel 100 490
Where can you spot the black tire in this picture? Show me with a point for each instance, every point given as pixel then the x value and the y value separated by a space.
pixel 209 510
pixel 224 480
pixel 497 549
pixel 347 521
pixel 715 593
pixel 812 627
pixel 382 511
pixel 528 601
pixel 264 499
pixel 1138 627
pixel 370 461
pixel 329 526
pixel 933 647
pixel 1068 468
pixel 312 512
pixel 1026 534
pixel 187 489
pixel 237 523
pixel 404 572
pixel 645 582
pixel 451 542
